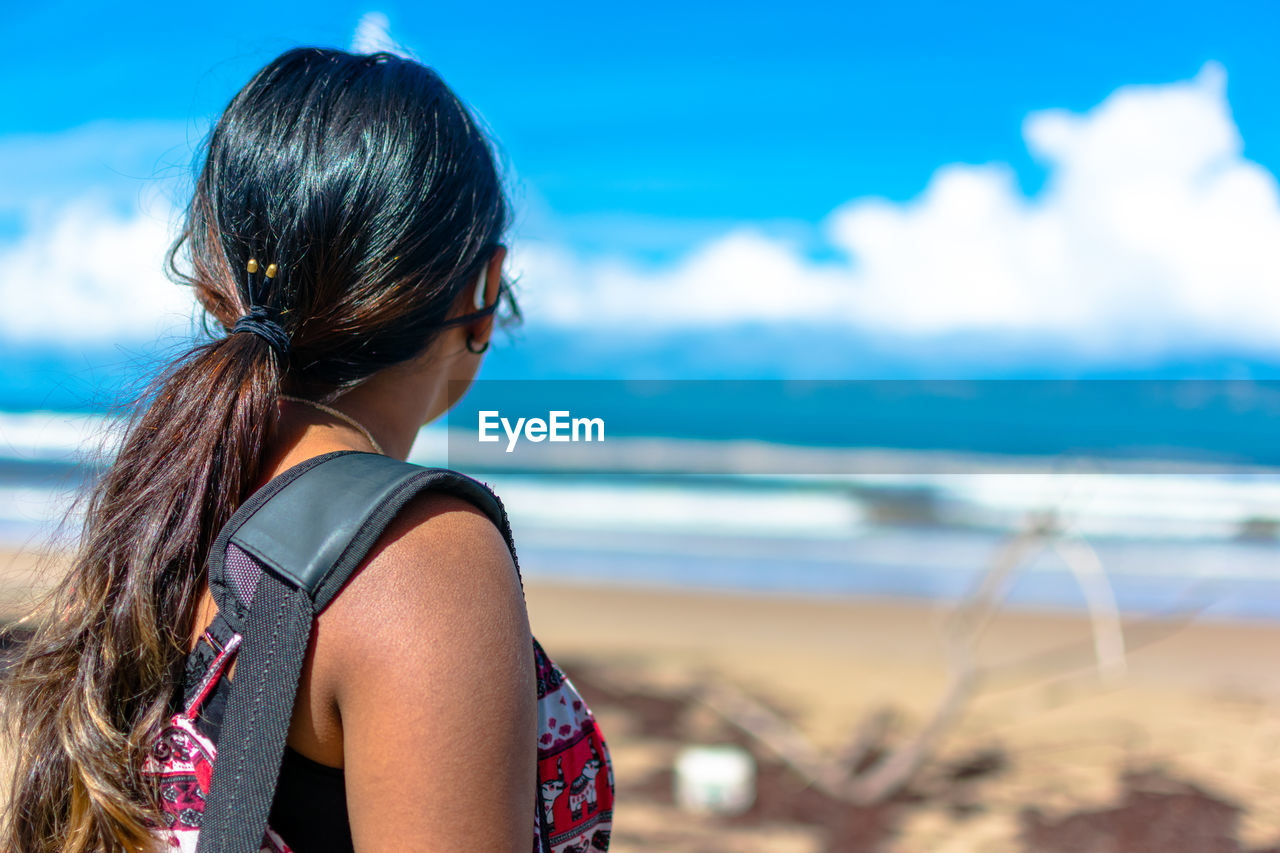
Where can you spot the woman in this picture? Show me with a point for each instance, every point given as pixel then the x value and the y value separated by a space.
pixel 345 232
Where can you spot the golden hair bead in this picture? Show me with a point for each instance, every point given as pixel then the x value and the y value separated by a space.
pixel 253 265
pixel 271 271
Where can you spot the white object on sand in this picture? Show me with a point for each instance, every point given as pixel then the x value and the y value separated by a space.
pixel 715 779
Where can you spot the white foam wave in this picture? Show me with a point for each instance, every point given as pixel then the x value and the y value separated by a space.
pixel 52 436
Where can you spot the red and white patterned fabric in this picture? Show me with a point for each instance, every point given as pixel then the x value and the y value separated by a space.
pixel 574 801
pixel 182 760
pixel 575 774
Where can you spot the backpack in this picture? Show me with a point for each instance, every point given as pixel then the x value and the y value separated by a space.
pixel 280 559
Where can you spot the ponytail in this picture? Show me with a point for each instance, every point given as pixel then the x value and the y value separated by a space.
pixel 100 677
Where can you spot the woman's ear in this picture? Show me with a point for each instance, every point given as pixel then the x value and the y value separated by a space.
pixel 492 278
pixel 482 289
pixel 488 287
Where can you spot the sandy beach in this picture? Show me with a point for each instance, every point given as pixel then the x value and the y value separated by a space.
pixel 1199 705
pixel 1047 755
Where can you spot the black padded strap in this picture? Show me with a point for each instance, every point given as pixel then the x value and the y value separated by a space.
pixel 390 502
pixel 301 533
pixel 312 527
pixel 220 586
pixel 315 523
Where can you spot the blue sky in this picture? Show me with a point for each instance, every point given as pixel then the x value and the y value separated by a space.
pixel 704 110
pixel 792 173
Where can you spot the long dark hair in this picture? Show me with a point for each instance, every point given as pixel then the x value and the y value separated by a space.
pixel 374 191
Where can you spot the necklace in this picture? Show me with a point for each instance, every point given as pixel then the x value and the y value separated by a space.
pixel 347 419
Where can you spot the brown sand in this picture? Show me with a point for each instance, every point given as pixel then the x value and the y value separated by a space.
pixel 1199 703
pixel 24 576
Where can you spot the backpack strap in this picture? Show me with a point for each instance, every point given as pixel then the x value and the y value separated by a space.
pixel 311 528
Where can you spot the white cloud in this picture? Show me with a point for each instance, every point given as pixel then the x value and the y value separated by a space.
pixel 373 34
pixel 743 276
pixel 85 274
pixel 1152 233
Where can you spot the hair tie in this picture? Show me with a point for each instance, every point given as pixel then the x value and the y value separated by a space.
pixel 260 322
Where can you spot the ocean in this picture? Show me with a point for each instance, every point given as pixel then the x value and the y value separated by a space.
pixel 1181 515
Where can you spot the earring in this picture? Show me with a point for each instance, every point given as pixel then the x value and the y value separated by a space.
pixel 471 345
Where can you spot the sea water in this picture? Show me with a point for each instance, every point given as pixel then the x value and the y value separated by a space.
pixel 1169 544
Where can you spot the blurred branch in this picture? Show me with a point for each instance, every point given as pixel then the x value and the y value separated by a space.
pixel 963 630
pixel 962 633
pixel 1108 636
pixel 867 738
pixel 900 766
pixel 773 733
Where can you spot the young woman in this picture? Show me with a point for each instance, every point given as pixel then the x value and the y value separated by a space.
pixel 345 238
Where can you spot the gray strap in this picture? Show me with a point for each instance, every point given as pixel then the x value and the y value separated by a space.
pixel 251 745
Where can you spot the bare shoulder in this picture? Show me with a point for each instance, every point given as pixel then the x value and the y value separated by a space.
pixel 440 564
pixel 427 659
